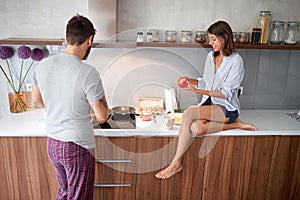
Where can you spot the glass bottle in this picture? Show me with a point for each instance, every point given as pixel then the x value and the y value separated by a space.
pixel 255 36
pixel 277 31
pixel 149 37
pixel 292 33
pixel 140 37
pixel 264 23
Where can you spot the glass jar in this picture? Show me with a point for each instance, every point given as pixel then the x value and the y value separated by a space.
pixel 277 31
pixel 149 37
pixel 292 33
pixel 200 36
pixel 170 36
pixel 155 35
pixel 234 35
pixel 255 36
pixel 243 38
pixel 186 36
pixel 264 23
pixel 140 37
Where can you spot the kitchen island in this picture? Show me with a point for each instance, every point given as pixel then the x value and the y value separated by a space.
pixel 234 164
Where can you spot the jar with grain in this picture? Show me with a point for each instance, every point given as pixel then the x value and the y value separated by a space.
pixel 292 33
pixel 155 35
pixel 200 36
pixel 186 36
pixel 276 33
pixel 243 38
pixel 264 23
pixel 170 36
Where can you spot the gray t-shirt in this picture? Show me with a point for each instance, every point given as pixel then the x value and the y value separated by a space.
pixel 67 86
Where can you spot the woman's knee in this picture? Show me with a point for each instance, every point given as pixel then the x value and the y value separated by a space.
pixel 198 127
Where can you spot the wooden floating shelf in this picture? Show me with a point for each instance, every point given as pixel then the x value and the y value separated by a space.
pixel 133 44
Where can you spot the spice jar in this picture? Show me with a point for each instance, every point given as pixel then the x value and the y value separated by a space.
pixel 243 38
pixel 149 37
pixel 264 23
pixel 234 35
pixel 170 36
pixel 155 35
pixel 292 33
pixel 140 37
pixel 200 36
pixel 186 36
pixel 255 36
pixel 276 34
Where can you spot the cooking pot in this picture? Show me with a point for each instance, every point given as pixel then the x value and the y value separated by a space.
pixel 123 113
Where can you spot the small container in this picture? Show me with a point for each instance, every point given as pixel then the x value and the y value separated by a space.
pixel 186 36
pixel 140 37
pixel 292 33
pixel 149 37
pixel 264 23
pixel 155 35
pixel 200 36
pixel 277 31
pixel 255 36
pixel 243 38
pixel 170 36
pixel 234 35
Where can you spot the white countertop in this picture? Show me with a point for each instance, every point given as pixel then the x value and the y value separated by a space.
pixel 268 122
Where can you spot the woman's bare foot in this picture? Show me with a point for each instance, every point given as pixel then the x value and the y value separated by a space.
pixel 245 126
pixel 171 170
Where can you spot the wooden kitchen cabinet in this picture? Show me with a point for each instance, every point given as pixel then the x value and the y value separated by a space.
pixel 225 167
pixel 26 172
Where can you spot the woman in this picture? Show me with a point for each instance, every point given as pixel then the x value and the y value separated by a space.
pixel 219 108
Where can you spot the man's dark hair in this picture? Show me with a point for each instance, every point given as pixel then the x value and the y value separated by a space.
pixel 223 30
pixel 79 28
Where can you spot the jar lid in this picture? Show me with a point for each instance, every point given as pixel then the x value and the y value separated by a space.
pixel 265 13
pixel 278 23
pixel 256 29
pixel 139 33
pixel 293 23
pixel 149 33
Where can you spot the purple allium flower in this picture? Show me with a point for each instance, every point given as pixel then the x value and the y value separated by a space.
pixel 24 52
pixel 37 54
pixel 6 52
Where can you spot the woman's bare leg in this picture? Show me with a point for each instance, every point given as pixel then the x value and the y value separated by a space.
pixel 205 113
pixel 205 127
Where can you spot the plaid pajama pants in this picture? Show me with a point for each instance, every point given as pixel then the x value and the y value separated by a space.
pixel 75 169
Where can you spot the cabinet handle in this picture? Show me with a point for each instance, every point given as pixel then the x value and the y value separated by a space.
pixel 113 185
pixel 114 161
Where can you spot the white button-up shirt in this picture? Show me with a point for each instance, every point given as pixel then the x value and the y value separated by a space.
pixel 226 79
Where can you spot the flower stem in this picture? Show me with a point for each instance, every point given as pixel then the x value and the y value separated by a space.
pixel 9 81
pixel 26 74
pixel 19 88
pixel 12 80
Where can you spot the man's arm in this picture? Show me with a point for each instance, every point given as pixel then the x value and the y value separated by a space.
pixel 36 96
pixel 101 110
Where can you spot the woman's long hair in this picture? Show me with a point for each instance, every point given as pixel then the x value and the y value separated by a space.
pixel 223 30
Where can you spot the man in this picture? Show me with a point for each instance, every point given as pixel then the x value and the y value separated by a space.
pixel 68 89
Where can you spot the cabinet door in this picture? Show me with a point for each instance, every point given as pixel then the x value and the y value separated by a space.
pixel 115 164
pixel 26 172
pixel 160 151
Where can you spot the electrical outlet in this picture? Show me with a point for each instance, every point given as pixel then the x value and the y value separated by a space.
pixel 241 90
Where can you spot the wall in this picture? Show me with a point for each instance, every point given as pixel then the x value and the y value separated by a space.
pixel 271 77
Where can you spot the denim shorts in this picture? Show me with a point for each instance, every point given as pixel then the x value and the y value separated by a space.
pixel 232 115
